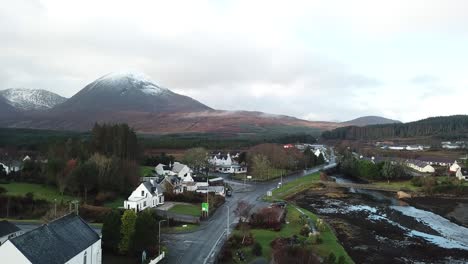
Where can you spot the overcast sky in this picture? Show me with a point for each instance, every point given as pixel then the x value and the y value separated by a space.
pixel 317 60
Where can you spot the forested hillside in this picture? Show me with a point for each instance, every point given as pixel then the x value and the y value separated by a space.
pixel 446 127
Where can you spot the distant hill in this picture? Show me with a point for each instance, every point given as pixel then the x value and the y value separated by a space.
pixel 369 120
pixel 31 99
pixel 443 126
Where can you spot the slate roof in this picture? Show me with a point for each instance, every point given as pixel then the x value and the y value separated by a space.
pixel 56 242
pixel 7 228
pixel 151 188
pixel 177 167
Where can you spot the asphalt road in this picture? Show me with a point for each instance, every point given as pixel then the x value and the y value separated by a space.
pixel 203 245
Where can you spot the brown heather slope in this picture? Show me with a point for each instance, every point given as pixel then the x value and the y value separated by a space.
pixel 165 123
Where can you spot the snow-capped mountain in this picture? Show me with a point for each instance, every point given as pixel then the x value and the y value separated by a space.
pixel 31 99
pixel 130 92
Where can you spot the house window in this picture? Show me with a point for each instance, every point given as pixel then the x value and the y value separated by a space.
pixel 142 193
pixel 85 257
pixel 144 204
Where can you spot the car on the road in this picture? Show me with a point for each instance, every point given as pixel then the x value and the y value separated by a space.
pixel 229 193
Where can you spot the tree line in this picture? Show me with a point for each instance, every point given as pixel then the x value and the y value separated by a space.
pixel 105 165
pixel 368 170
pixel 448 127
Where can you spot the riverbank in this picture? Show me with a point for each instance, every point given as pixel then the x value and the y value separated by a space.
pixel 330 242
pixel 452 208
pixel 374 227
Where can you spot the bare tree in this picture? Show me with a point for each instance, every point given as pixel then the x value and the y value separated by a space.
pixel 242 211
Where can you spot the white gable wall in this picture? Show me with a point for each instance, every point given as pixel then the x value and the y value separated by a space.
pixel 93 255
pixel 11 254
pixel 141 198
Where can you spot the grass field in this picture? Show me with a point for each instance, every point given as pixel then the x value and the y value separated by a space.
pixel 119 202
pixel 296 186
pixel 330 243
pixel 187 209
pixel 398 185
pixel 44 192
pixel 146 170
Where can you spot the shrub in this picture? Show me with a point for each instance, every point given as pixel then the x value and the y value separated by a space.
pixel 104 196
pixel 331 258
pixel 305 231
pixel 2 190
pixel 94 213
pixel 257 249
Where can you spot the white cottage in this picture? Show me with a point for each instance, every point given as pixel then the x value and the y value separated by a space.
pixel 147 195
pixel 454 167
pixel 182 171
pixel 67 240
pixel 420 166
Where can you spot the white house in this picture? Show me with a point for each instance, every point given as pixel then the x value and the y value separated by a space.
pixel 236 169
pixel 66 240
pixel 420 166
pixel 415 148
pixel 454 167
pixel 8 231
pixel 177 169
pixel 5 168
pixel 221 160
pixel 461 174
pixel 182 171
pixel 147 195
pixel 396 148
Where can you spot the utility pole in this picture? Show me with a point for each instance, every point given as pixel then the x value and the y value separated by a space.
pixel 159 236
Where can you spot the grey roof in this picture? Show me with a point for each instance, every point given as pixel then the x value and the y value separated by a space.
pixel 56 242
pixel 177 167
pixel 7 228
pixel 151 188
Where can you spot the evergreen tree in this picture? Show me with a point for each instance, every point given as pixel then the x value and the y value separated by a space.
pixel 146 232
pixel 127 231
pixel 111 231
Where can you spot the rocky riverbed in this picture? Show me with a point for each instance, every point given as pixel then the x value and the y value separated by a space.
pixel 374 227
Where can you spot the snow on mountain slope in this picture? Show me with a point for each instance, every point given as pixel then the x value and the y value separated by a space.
pixel 31 99
pixel 126 81
pixel 127 91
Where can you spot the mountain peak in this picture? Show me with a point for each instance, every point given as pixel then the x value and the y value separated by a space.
pixel 125 81
pixel 31 99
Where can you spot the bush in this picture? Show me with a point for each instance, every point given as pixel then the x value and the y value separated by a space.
pixel 416 181
pixel 331 258
pixel 94 213
pixel 104 196
pixel 257 249
pixel 305 231
pixel 2 190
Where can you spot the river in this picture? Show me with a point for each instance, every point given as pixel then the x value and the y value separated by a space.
pixel 375 227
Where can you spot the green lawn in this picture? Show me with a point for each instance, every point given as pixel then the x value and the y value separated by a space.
pixel 296 186
pixel 329 244
pixel 119 202
pixel 146 170
pixel 398 185
pixel 187 209
pixel 45 192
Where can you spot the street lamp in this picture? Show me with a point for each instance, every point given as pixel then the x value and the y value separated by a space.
pixel 159 237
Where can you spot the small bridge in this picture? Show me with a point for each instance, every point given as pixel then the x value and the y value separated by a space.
pixel 361 186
